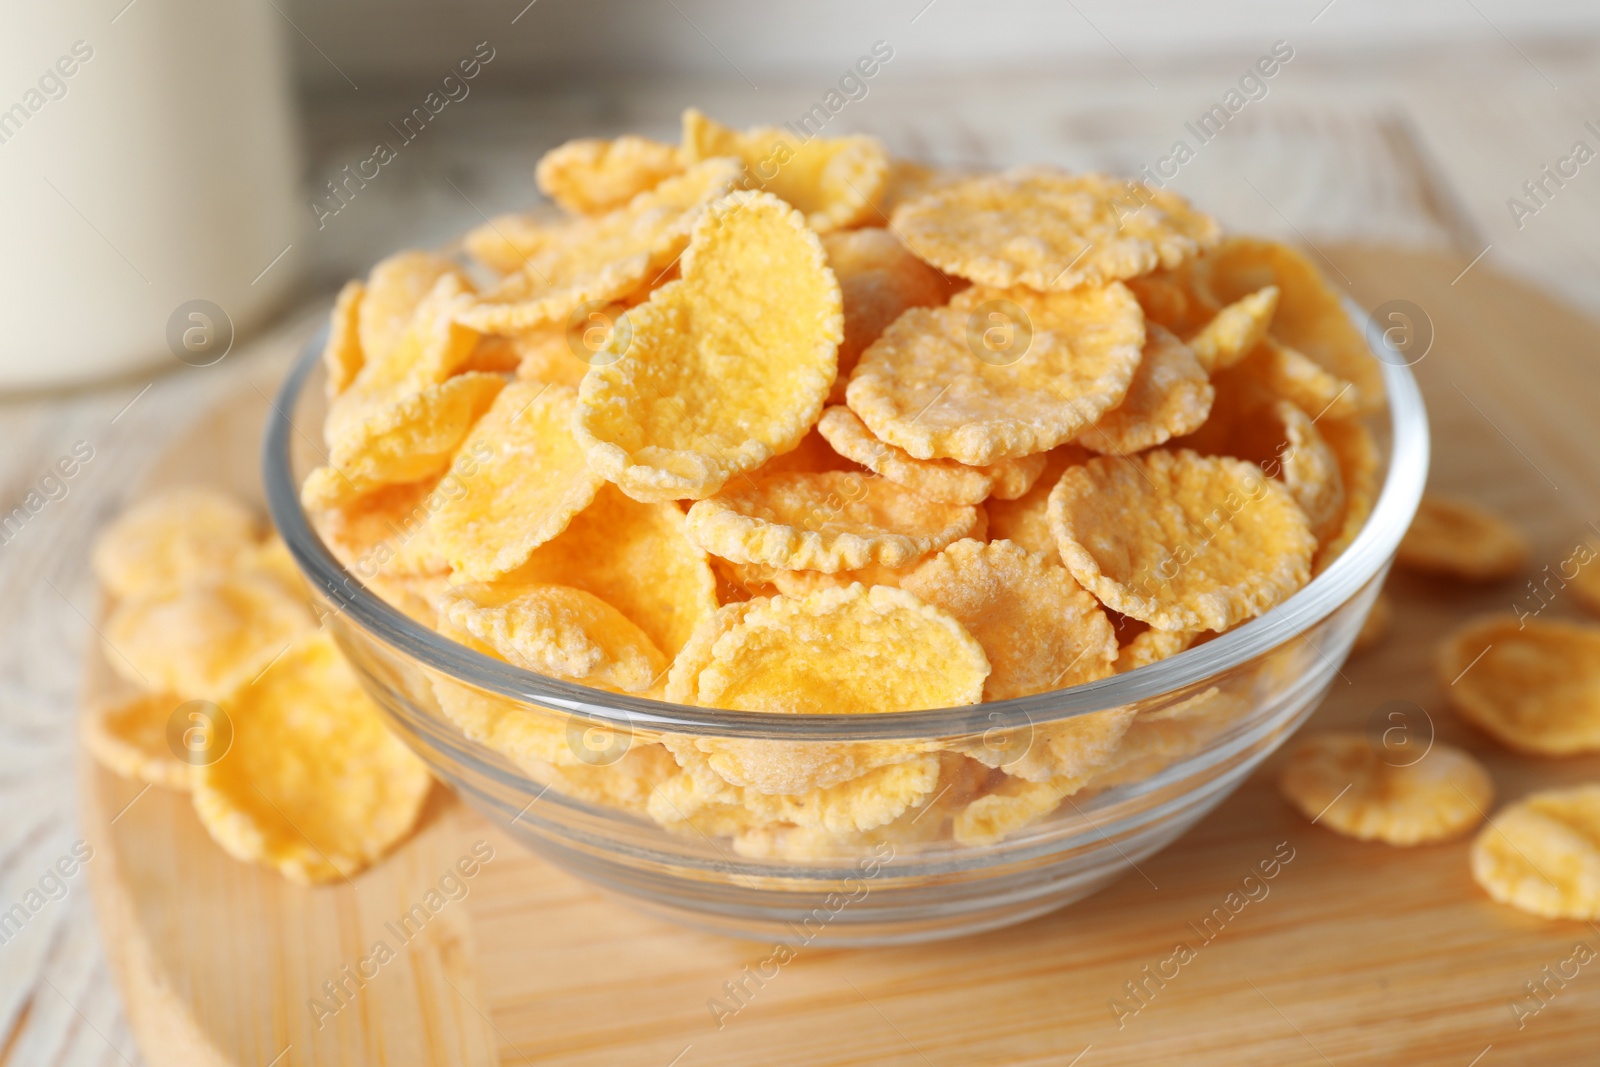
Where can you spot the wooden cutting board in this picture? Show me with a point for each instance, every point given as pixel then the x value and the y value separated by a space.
pixel 1356 954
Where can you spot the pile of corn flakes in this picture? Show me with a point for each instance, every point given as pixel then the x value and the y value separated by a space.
pixel 796 427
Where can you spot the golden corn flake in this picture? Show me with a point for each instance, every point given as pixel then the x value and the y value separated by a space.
pixel 527 490
pixel 408 441
pixel 129 738
pixel 1357 453
pixel 683 679
pixel 559 631
pixel 999 373
pixel 636 557
pixel 1279 371
pixel 1155 742
pixel 834 521
pixel 1068 752
pixel 878 279
pixel 723 369
pixel 1310 318
pixel 1181 541
pixel 341 354
pixel 1050 230
pixel 804 583
pixel 590 176
pixel 562 265
pixel 855 651
pixel 313 783
pixel 1458 539
pixel 1542 854
pixel 943 480
pixel 171 538
pixel 1014 805
pixel 545 355
pixel 834 181
pixel 1338 781
pixel 1236 330
pixel 1532 685
pixel 1151 646
pixel 204 640
pixel 394 291
pixel 386 532
pixel 1038 627
pixel 1173 299
pixel 1026 520
pixel 1169 396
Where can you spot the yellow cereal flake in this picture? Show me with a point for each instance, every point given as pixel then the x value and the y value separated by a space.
pixel 1155 741
pixel 1459 539
pixel 589 176
pixel 129 738
pixel 386 531
pixel 1050 230
pixel 723 369
pixel 1014 805
pixel 388 304
pixel 560 265
pixel 408 441
pixel 1173 299
pixel 558 631
pixel 1181 541
pixel 1279 371
pixel 1151 646
pixel 171 538
pixel 341 354
pixel 637 558
pixel 1169 396
pixel 1532 685
pixel 834 521
pixel 1038 627
pixel 1236 330
pixel 683 679
pixel 1310 317
pixel 804 583
pixel 1542 854
pixel 313 783
pixel 1068 752
pixel 1026 520
pixel 1339 781
pixel 533 481
pixel 878 279
pixel 835 182
pixel 943 480
pixel 999 373
pixel 854 651
pixel 544 354
pixel 204 640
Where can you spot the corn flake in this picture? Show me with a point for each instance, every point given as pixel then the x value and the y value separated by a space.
pixel 388 303
pixel 129 738
pixel 589 176
pixel 1533 685
pixel 1026 520
pixel 313 783
pixel 835 182
pixel 341 354
pixel 725 368
pixel 1338 781
pixel 525 493
pixel 1357 453
pixel 934 385
pixel 834 521
pixel 1050 230
pixel 181 535
pixel 1542 854
pixel 1038 627
pixel 943 480
pixel 1235 331
pixel 1181 541
pixel 1458 539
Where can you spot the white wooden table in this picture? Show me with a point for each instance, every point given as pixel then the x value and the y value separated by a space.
pixel 1413 149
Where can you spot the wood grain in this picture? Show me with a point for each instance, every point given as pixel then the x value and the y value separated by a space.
pixel 1355 954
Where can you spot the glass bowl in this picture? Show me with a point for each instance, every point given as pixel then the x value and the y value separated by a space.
pixel 587 762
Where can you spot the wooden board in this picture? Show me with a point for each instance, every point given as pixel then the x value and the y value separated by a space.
pixel 1356 954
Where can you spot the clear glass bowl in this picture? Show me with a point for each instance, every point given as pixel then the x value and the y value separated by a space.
pixel 1202 721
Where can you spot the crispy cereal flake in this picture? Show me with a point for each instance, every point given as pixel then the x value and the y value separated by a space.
pixel 590 176
pixel 171 538
pixel 999 373
pixel 1181 541
pixel 1051 230
pixel 1459 539
pixel 1169 396
pixel 1542 854
pixel 1236 330
pixel 723 369
pixel 1532 685
pixel 837 520
pixel 129 738
pixel 1338 780
pixel 944 480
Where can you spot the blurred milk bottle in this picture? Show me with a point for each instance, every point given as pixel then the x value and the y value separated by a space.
pixel 148 172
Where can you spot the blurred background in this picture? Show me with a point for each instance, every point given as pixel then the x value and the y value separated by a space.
pixel 186 182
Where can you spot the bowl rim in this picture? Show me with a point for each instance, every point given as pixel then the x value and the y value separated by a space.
pixel 1365 558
